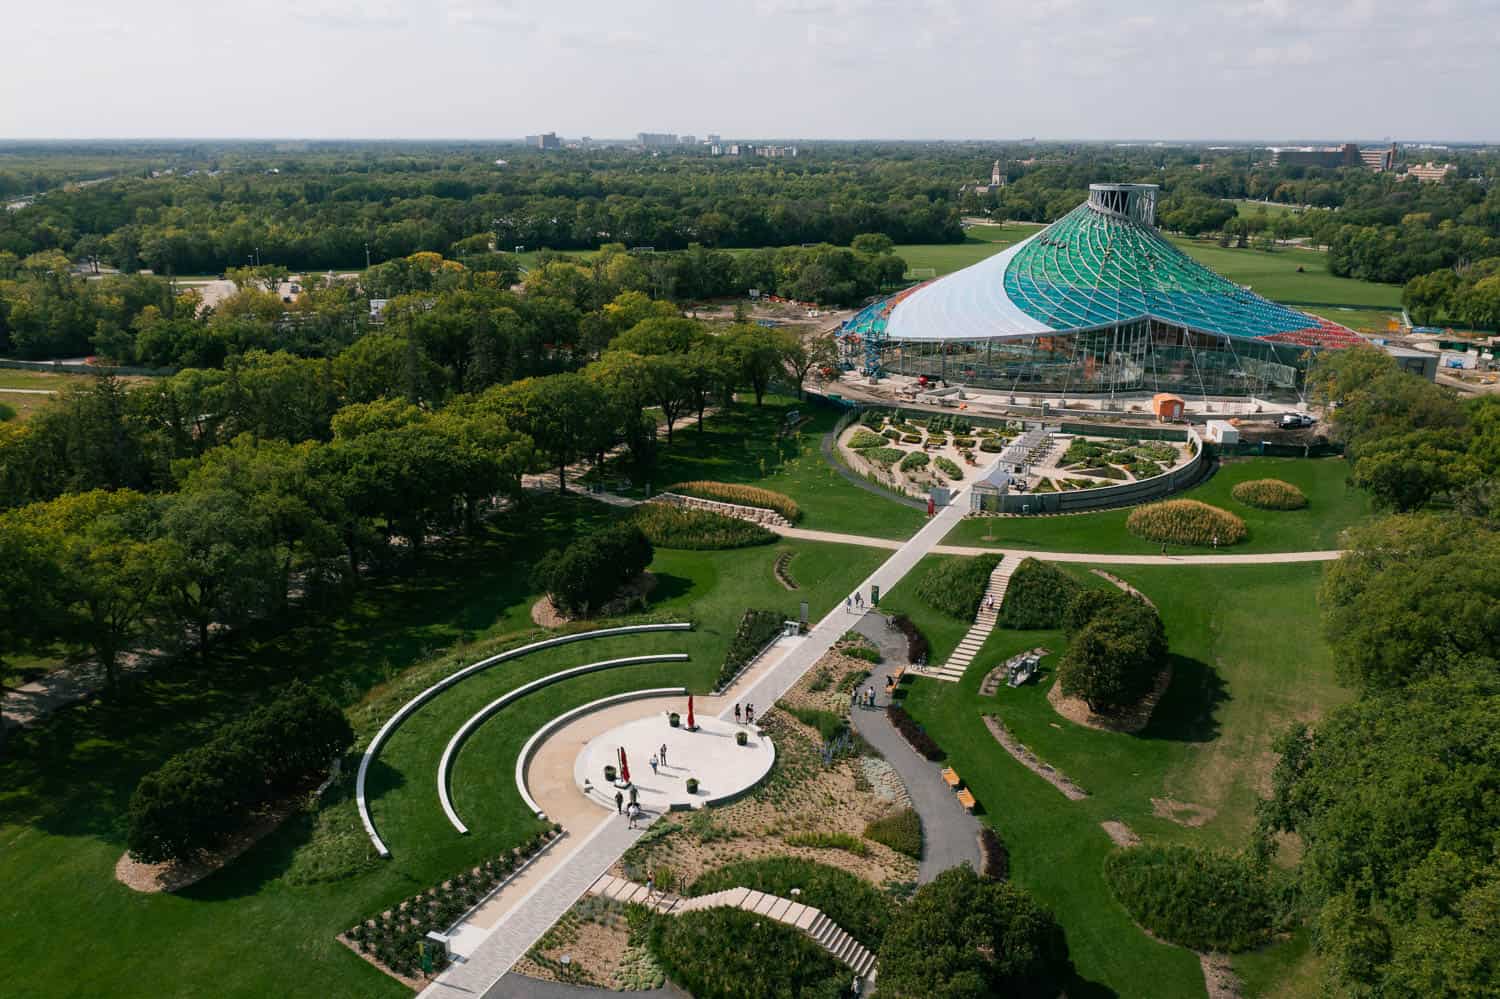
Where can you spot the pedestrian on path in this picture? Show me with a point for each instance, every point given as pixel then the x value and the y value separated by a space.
pixel 859 600
pixel 653 763
pixel 630 814
pixel 854 697
pixel 650 885
pixel 664 754
pixel 1216 542
pixel 1163 547
pixel 619 802
pixel 635 794
pixel 736 712
pixel 848 605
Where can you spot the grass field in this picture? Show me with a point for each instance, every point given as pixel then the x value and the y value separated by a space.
pixel 1274 209
pixel 980 242
pixel 942 632
pixel 742 446
pixel 1246 661
pixel 1332 506
pixel 265 925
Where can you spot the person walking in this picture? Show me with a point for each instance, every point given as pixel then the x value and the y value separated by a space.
pixel 664 754
pixel 630 814
pixel 1216 542
pixel 848 605
pixel 736 712
pixel 619 802
pixel 653 763
pixel 635 795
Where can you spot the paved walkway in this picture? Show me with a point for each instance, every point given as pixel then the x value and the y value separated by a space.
pixel 950 835
pixel 517 986
pixel 487 952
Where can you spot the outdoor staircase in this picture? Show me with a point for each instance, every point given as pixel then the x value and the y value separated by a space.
pixel 824 931
pixel 984 623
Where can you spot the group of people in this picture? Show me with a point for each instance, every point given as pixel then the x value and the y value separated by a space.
pixel 854 602
pixel 748 713
pixel 659 758
pixel 631 809
pixel 867 696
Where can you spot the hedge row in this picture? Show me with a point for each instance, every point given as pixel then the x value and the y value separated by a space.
pixel 1037 596
pixel 733 492
pixel 724 953
pixel 1196 898
pixel 587 573
pixel 668 526
pixel 913 733
pixel 901 831
pixel 956 586
pixel 917 646
pixel 755 632
pixel 200 796
pixel 1185 522
pixel 1269 494
pixel 996 858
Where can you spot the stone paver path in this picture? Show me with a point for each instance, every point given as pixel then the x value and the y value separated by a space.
pixel 950 835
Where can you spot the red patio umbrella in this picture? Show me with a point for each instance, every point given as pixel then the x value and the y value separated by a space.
pixel 691 724
pixel 624 766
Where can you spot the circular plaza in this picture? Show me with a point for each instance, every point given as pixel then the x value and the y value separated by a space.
pixel 710 755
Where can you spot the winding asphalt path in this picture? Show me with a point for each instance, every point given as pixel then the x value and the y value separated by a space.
pixel 950 835
pixel 514 986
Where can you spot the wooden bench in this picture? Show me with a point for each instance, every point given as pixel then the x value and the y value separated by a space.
pixel 966 798
pixel 950 777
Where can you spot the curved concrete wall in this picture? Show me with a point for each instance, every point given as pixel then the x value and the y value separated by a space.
pixel 406 709
pixel 1125 494
pixel 529 750
pixel 478 718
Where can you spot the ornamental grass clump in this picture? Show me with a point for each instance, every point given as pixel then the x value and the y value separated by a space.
pixel 1186 522
pixel 1269 494
pixel 667 526
pixel 733 492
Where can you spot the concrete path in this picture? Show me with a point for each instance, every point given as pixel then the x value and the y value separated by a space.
pixel 950 835
pixel 516 986
pixel 21 391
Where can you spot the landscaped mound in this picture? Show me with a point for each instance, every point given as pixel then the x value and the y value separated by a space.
pixel 1037 596
pixel 955 586
pixel 1196 898
pixel 1269 494
pixel 586 574
pixel 724 953
pixel 1117 650
pixel 731 492
pixel 860 908
pixel 201 795
pixel 1186 522
pixel 667 526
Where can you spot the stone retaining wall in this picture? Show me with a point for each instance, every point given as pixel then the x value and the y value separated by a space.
pixel 754 514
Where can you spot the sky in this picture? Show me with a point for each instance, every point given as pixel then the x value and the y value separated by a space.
pixel 860 69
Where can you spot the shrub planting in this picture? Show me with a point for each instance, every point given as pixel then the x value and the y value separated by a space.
pixel 1269 494
pixel 886 456
pixel 917 646
pixel 755 632
pixel 829 725
pixel 1038 596
pixel 956 586
pixel 996 858
pixel 829 841
pixel 993 445
pixel 901 831
pixel 587 573
pixel 730 492
pixel 914 461
pixel 394 938
pixel 6 413
pixel 862 439
pixel 911 439
pixel 852 902
pixel 949 467
pixel 1197 898
pixel 668 526
pixel 913 733
pixel 724 953
pixel 891 434
pixel 199 796
pixel 1186 522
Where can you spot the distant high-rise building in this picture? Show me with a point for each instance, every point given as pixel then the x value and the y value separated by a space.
pixel 1380 160
pixel 712 139
pixel 1429 172
pixel 547 140
pixel 688 140
pixel 1333 157
pixel 654 139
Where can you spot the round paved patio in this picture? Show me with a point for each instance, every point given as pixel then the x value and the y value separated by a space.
pixel 723 768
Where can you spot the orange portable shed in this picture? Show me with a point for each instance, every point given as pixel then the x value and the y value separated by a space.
pixel 1168 407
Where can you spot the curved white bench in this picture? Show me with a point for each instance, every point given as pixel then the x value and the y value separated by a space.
pixel 529 750
pixel 406 709
pixel 478 718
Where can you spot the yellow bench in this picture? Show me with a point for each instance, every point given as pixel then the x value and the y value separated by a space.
pixel 966 798
pixel 950 777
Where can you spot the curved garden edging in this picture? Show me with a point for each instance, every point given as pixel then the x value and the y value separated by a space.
pixel 406 709
pixel 478 718
pixel 529 750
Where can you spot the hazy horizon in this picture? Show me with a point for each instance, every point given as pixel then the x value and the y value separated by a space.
pixel 1239 71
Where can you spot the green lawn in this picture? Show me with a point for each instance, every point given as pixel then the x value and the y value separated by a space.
pixel 266 925
pixel 980 242
pixel 742 446
pixel 942 631
pixel 1246 661
pixel 1332 507
pixel 1273 209
pixel 1274 275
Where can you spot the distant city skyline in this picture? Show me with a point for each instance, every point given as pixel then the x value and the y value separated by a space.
pixel 1235 71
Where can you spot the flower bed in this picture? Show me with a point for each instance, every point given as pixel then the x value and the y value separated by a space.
pixel 863 438
pixel 914 461
pixel 886 456
pixel 755 632
pixel 917 646
pixel 392 940
pixel 949 467
pixel 996 863
pixel 901 831
pixel 683 527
